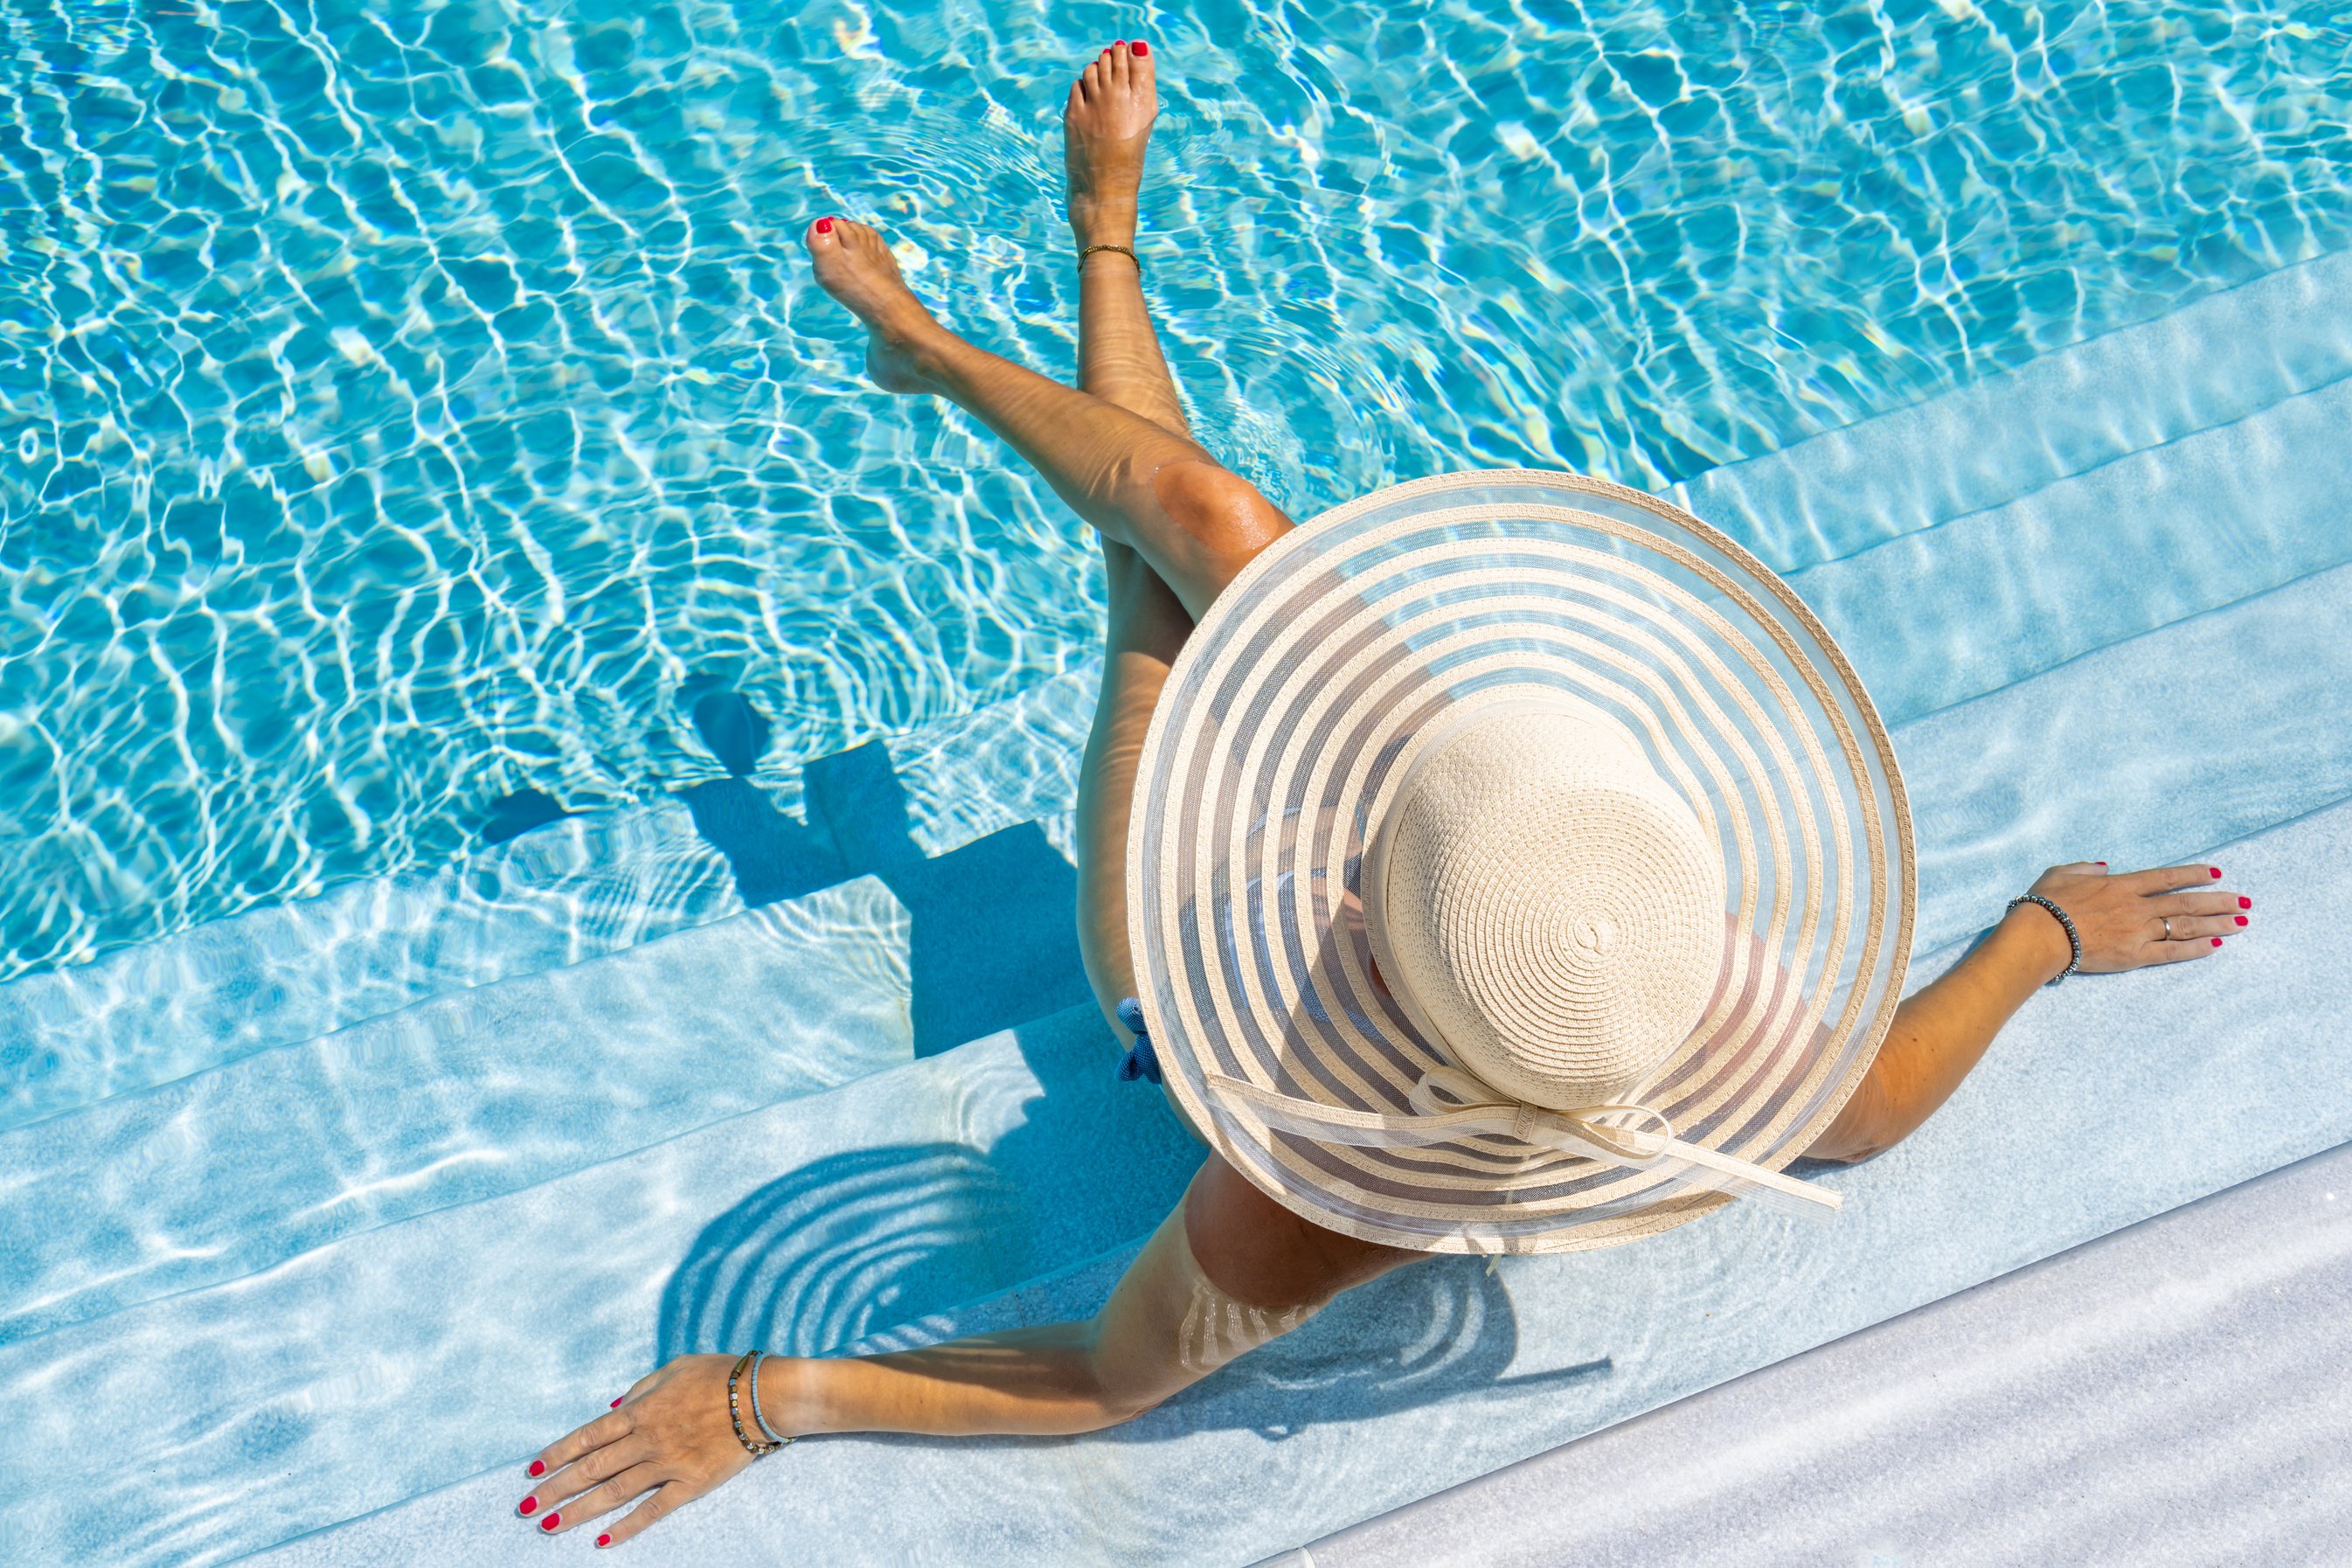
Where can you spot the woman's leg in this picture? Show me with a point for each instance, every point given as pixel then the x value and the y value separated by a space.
pixel 1139 483
pixel 1106 127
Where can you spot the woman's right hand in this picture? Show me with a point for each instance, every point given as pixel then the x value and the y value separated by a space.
pixel 2121 916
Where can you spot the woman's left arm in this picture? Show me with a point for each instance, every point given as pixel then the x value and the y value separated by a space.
pixel 1940 1032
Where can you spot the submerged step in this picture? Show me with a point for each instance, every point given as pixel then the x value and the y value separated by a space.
pixel 573 890
pixel 1449 1369
pixel 2212 361
pixel 455 1099
pixel 583 887
pixel 473 1334
pixel 2143 754
pixel 1946 613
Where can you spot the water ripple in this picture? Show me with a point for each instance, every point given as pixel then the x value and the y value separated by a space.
pixel 397 405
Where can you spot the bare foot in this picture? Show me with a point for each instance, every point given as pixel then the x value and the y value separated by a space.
pixel 1104 127
pixel 854 264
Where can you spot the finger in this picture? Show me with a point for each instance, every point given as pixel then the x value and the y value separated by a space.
pixel 609 1427
pixel 2195 928
pixel 665 1500
pixel 2082 868
pixel 2182 952
pixel 599 1501
pixel 600 1466
pixel 2207 903
pixel 2165 879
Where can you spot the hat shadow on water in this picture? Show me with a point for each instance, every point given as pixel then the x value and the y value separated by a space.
pixel 852 1245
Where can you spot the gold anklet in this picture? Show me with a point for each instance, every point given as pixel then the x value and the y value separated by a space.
pixel 1123 250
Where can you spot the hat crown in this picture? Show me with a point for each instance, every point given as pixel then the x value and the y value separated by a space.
pixel 1553 909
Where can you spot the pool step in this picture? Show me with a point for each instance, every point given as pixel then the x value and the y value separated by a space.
pixel 2180 1382
pixel 381 1364
pixel 2070 1129
pixel 1991 444
pixel 584 886
pixel 575 890
pixel 455 1099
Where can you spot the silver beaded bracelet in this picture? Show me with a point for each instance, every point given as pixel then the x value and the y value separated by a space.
pixel 2074 937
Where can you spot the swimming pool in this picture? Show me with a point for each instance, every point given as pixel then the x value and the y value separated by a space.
pixel 432 397
pixel 400 405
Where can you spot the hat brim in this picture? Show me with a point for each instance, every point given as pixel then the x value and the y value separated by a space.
pixel 1294 710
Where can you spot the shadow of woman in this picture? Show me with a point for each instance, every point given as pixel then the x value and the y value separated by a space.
pixel 844 1248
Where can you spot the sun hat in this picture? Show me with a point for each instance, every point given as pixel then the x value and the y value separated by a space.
pixel 1517 865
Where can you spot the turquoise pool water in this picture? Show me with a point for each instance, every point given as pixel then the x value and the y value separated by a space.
pixel 397 404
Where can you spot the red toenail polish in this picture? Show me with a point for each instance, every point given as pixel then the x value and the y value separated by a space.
pixel 2241 919
pixel 551 1522
pixel 2216 871
pixel 2217 942
pixel 824 226
pixel 1142 48
pixel 604 1540
pixel 1118 43
pixel 2245 903
pixel 537 1468
pixel 529 1506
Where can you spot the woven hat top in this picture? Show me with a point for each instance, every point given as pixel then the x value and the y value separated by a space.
pixel 1517 865
pixel 1552 908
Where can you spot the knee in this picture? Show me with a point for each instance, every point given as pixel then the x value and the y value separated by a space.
pixel 1218 507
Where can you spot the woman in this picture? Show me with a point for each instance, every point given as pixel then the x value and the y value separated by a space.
pixel 1246 1257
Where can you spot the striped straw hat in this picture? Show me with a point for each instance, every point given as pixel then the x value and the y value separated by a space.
pixel 1517 867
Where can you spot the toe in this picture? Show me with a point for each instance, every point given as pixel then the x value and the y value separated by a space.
pixel 823 234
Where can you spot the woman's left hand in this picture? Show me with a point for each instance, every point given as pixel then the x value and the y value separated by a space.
pixel 669 1437
pixel 2132 918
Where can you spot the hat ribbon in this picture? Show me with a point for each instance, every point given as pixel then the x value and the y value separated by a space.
pixel 1449 1103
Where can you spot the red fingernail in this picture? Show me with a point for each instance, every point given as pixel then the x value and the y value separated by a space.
pixel 528 1507
pixel 2217 942
pixel 1141 48
pixel 2216 871
pixel 604 1540
pixel 2245 903
pixel 2241 919
pixel 539 1467
pixel 617 1404
pixel 824 226
pixel 2098 862
pixel 551 1522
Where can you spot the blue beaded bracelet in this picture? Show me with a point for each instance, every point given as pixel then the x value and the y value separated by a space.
pixel 2074 938
pixel 759 1414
